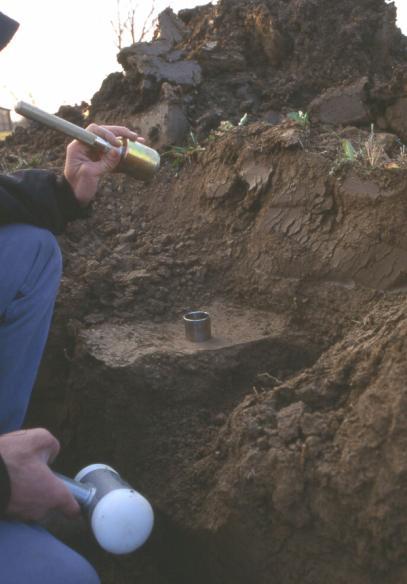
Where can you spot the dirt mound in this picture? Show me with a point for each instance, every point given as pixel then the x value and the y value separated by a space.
pixel 315 469
pixel 258 57
pixel 274 453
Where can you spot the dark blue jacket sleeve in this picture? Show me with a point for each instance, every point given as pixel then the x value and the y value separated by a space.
pixel 5 487
pixel 38 197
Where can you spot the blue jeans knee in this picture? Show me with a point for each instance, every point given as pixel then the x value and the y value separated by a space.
pixel 28 255
pixel 29 554
pixel 48 257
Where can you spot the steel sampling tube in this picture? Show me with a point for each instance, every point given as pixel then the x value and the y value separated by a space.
pixel 136 159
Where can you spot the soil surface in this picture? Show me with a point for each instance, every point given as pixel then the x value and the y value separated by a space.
pixel 276 452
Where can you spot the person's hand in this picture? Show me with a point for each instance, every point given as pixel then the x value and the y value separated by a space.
pixel 84 166
pixel 35 490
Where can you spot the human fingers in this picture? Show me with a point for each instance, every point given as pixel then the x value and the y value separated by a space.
pixel 124 132
pixel 105 133
pixel 63 499
pixel 39 493
pixel 115 131
pixel 44 444
pixel 34 488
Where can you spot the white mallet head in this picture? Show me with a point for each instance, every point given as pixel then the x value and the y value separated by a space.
pixel 121 518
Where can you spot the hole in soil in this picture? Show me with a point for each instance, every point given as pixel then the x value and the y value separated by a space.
pixel 141 398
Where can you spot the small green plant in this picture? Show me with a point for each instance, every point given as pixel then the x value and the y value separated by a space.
pixel 35 161
pixel 181 154
pixel 369 152
pixel 14 162
pixel 244 120
pixel 226 126
pixel 300 118
pixel 349 152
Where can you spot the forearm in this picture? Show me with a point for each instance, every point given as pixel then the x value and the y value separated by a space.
pixel 40 198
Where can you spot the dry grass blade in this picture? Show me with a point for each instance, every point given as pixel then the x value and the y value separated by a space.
pixel 374 152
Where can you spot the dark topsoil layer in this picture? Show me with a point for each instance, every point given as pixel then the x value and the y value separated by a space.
pixel 277 461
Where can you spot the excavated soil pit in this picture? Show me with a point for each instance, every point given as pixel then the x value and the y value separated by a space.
pixel 147 401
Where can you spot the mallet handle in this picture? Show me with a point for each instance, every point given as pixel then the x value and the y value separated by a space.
pixel 56 123
pixel 82 493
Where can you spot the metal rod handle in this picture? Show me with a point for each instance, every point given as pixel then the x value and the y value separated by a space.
pixel 136 159
pixel 82 493
pixel 56 123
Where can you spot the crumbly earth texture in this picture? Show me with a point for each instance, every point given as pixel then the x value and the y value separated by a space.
pixel 276 452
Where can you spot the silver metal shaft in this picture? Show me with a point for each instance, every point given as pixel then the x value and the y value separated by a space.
pixel 56 123
pixel 82 493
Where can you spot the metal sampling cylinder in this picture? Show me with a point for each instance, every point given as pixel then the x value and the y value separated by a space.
pixel 197 326
pixel 136 159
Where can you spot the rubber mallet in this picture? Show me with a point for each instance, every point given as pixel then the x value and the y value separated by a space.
pixel 121 519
